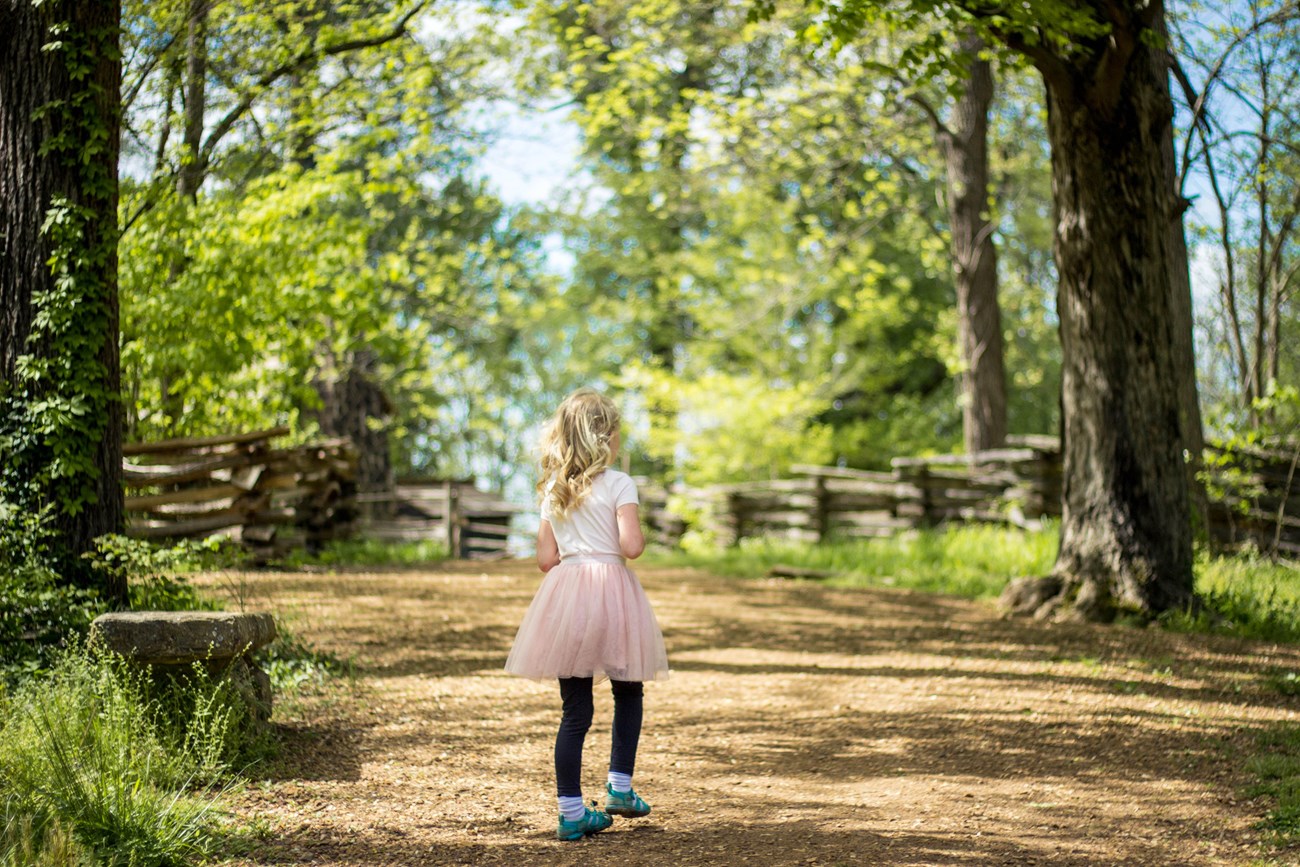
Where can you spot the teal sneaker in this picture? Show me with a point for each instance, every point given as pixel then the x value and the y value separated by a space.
pixel 627 804
pixel 592 822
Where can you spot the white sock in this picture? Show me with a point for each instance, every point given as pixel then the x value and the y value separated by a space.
pixel 571 807
pixel 621 783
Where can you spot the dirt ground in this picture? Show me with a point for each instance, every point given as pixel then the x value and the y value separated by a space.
pixel 802 725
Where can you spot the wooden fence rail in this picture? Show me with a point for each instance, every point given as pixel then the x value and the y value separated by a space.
pixel 270 499
pixel 273 500
pixel 472 524
pixel 1255 497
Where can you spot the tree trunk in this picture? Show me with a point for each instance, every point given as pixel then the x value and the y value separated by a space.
pixel 964 143
pixel 1189 401
pixel 60 411
pixel 1126 541
pixel 190 176
pixel 354 405
pixel 1181 322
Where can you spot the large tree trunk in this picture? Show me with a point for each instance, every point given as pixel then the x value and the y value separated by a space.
pixel 1126 542
pixel 61 413
pixel 964 142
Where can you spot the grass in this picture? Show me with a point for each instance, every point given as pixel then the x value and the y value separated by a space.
pixel 974 561
pixel 1242 595
pixel 294 666
pixel 367 552
pixel 100 766
pixel 1276 768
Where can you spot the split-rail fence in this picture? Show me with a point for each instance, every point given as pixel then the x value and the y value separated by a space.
pixel 276 499
pixel 1254 497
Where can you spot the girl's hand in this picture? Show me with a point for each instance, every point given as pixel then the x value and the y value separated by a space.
pixel 548 550
pixel 630 538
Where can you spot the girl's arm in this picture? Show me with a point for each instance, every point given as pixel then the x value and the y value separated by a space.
pixel 630 538
pixel 548 550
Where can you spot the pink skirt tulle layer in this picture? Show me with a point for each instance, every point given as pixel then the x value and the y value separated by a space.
pixel 589 619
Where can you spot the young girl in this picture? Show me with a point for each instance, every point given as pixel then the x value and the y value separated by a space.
pixel 590 618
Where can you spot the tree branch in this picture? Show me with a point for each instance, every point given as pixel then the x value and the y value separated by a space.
pixel 128 98
pixel 1056 72
pixel 304 58
pixel 1197 103
pixel 931 114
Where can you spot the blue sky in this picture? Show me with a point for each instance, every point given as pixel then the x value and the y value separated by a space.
pixel 533 154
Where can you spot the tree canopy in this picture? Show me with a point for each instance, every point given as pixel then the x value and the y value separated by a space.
pixel 754 249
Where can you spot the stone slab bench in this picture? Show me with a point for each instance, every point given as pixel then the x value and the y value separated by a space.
pixel 222 642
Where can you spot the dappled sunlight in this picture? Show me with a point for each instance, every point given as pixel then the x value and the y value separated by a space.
pixel 801 725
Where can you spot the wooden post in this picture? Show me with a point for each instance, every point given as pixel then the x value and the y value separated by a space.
pixel 451 518
pixel 922 481
pixel 821 504
pixel 916 508
pixel 737 518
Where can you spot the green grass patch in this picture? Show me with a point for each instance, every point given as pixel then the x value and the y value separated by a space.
pixel 367 552
pixel 1243 595
pixel 1276 768
pixel 101 764
pixel 295 666
pixel 974 561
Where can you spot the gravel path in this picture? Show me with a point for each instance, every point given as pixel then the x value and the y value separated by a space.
pixel 801 726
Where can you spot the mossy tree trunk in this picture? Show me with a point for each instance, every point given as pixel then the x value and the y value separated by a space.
pixel 61 413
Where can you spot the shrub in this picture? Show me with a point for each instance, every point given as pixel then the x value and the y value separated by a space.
pixel 152 573
pixel 292 664
pixel 41 613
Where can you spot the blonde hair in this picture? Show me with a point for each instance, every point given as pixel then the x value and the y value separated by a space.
pixel 576 446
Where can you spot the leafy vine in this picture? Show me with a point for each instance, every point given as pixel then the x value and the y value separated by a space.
pixel 55 410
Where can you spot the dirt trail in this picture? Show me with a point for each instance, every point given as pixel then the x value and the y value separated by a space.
pixel 801 726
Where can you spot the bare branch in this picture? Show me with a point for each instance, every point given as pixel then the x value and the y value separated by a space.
pixel 1197 103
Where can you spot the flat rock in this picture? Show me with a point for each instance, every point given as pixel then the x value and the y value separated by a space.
pixel 177 637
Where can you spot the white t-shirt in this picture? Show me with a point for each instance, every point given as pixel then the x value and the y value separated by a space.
pixel 592 528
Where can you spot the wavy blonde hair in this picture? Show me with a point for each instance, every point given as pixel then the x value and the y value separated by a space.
pixel 576 446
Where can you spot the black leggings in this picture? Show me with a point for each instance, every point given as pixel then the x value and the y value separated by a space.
pixel 576 693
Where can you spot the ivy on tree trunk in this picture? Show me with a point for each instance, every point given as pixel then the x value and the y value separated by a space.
pixel 60 408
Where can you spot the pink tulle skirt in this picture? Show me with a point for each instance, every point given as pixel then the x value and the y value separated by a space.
pixel 590 618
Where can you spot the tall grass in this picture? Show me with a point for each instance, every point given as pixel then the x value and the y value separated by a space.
pixel 1244 595
pixel 24 845
pixel 100 765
